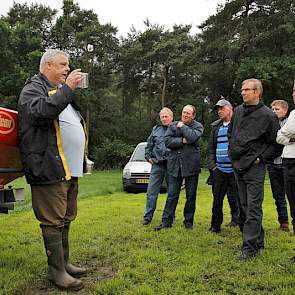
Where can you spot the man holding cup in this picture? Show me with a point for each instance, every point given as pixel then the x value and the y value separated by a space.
pixel 52 144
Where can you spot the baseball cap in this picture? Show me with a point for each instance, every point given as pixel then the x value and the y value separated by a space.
pixel 222 103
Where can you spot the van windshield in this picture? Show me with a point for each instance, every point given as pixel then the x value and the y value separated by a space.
pixel 139 153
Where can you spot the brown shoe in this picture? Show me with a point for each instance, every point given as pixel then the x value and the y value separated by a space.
pixel 284 226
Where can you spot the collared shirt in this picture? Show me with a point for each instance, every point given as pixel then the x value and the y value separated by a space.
pixel 73 139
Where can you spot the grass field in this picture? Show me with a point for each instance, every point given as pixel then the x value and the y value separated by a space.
pixel 123 257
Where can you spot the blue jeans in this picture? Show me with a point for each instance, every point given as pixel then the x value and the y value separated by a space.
pixel 191 184
pixel 158 173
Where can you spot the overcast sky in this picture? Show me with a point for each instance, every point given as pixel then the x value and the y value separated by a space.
pixel 125 13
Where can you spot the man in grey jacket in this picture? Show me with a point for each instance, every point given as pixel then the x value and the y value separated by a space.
pixel 182 138
pixel 156 154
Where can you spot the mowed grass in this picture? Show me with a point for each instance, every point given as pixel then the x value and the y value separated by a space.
pixel 124 257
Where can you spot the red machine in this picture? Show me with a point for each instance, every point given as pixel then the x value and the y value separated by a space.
pixel 10 163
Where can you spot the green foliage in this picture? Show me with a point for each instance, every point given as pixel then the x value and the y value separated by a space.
pixel 203 151
pixel 157 68
pixel 132 78
pixel 249 39
pixel 112 153
pixel 23 36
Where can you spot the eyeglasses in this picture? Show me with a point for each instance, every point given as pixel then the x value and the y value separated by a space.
pixel 247 89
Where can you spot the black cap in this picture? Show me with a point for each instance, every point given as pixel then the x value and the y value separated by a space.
pixel 222 103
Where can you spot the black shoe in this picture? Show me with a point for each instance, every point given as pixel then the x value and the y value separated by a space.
pixel 232 224
pixel 162 226
pixel 146 221
pixel 214 229
pixel 188 225
pixel 247 255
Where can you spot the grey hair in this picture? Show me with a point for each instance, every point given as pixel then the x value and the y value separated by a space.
pixel 166 110
pixel 49 55
pixel 192 107
pixel 257 84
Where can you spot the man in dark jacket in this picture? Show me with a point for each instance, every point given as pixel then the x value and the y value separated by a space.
pixel 52 144
pixel 220 167
pixel 183 163
pixel 252 145
pixel 156 154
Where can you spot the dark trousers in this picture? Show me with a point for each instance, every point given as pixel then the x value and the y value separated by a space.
pixel 55 204
pixel 191 184
pixel 276 177
pixel 289 181
pixel 251 193
pixel 224 183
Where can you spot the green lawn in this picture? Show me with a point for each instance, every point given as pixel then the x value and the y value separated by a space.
pixel 123 257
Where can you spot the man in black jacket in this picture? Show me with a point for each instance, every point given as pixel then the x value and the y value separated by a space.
pixel 183 162
pixel 220 167
pixel 252 145
pixel 52 143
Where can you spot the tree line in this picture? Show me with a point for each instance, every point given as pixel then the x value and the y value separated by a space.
pixel 131 78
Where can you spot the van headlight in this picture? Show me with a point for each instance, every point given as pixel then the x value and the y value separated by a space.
pixel 126 173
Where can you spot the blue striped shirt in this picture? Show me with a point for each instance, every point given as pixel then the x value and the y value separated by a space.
pixel 223 162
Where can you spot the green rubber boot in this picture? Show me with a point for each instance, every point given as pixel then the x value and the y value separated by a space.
pixel 56 267
pixel 70 268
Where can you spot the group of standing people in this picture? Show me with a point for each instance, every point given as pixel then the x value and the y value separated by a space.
pixel 53 142
pixel 242 145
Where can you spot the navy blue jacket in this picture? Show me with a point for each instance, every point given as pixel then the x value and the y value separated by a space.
pixel 183 158
pixel 156 149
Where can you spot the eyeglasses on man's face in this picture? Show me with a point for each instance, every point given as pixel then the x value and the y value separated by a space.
pixel 247 89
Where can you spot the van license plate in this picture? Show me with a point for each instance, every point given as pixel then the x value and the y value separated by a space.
pixel 142 181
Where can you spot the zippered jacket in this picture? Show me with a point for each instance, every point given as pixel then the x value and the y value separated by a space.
pixel 156 149
pixel 252 135
pixel 183 158
pixel 39 106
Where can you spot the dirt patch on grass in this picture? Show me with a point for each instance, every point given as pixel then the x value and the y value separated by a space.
pixel 95 274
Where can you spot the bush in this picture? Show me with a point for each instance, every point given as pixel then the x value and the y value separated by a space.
pixel 111 154
pixel 203 151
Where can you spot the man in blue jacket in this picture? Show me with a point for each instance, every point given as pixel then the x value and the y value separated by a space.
pixel 182 139
pixel 156 154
